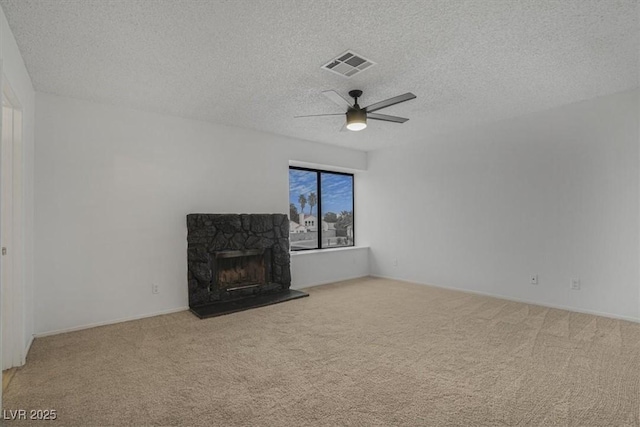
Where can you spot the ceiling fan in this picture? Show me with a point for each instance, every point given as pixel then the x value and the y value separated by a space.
pixel 357 116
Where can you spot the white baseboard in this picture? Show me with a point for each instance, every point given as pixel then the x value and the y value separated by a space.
pixel 309 285
pixel 509 298
pixel 109 322
pixel 325 282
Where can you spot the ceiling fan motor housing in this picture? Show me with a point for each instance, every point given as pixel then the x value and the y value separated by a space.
pixel 357 115
pixel 356 118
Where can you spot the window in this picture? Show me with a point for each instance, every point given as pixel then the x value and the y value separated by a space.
pixel 320 209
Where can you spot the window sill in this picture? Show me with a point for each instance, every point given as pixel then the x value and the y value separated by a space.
pixel 328 250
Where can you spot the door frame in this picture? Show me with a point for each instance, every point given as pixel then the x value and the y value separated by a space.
pixel 12 308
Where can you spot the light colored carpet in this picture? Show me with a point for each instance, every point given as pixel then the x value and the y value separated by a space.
pixel 366 352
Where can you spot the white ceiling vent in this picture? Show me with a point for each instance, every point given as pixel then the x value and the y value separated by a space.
pixel 348 64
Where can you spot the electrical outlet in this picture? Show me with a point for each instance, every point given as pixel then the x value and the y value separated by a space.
pixel 395 262
pixel 575 284
pixel 155 289
pixel 533 279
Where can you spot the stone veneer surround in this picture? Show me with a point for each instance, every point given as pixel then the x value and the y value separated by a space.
pixel 212 233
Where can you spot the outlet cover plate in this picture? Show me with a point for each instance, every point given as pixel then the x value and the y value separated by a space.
pixel 575 284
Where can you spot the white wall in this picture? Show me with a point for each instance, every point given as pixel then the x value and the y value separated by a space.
pixel 113 187
pixel 554 194
pixel 310 268
pixel 16 74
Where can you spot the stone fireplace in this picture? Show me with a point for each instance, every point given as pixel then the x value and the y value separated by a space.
pixel 237 261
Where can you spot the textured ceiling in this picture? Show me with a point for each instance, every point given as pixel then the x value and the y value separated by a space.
pixel 257 63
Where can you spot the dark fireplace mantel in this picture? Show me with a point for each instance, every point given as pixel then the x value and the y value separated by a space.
pixel 237 261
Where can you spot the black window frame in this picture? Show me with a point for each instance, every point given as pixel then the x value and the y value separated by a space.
pixel 319 191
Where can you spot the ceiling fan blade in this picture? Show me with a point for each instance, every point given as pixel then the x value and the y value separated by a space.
pixel 337 98
pixel 320 115
pixel 386 118
pixel 389 102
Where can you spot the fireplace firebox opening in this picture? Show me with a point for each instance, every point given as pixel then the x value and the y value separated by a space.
pixel 234 270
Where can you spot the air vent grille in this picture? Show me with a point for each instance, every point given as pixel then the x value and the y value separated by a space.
pixel 348 64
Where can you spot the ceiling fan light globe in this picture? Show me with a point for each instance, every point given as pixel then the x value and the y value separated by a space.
pixel 356 126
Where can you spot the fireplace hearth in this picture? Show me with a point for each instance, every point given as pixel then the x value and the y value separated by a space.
pixel 237 261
